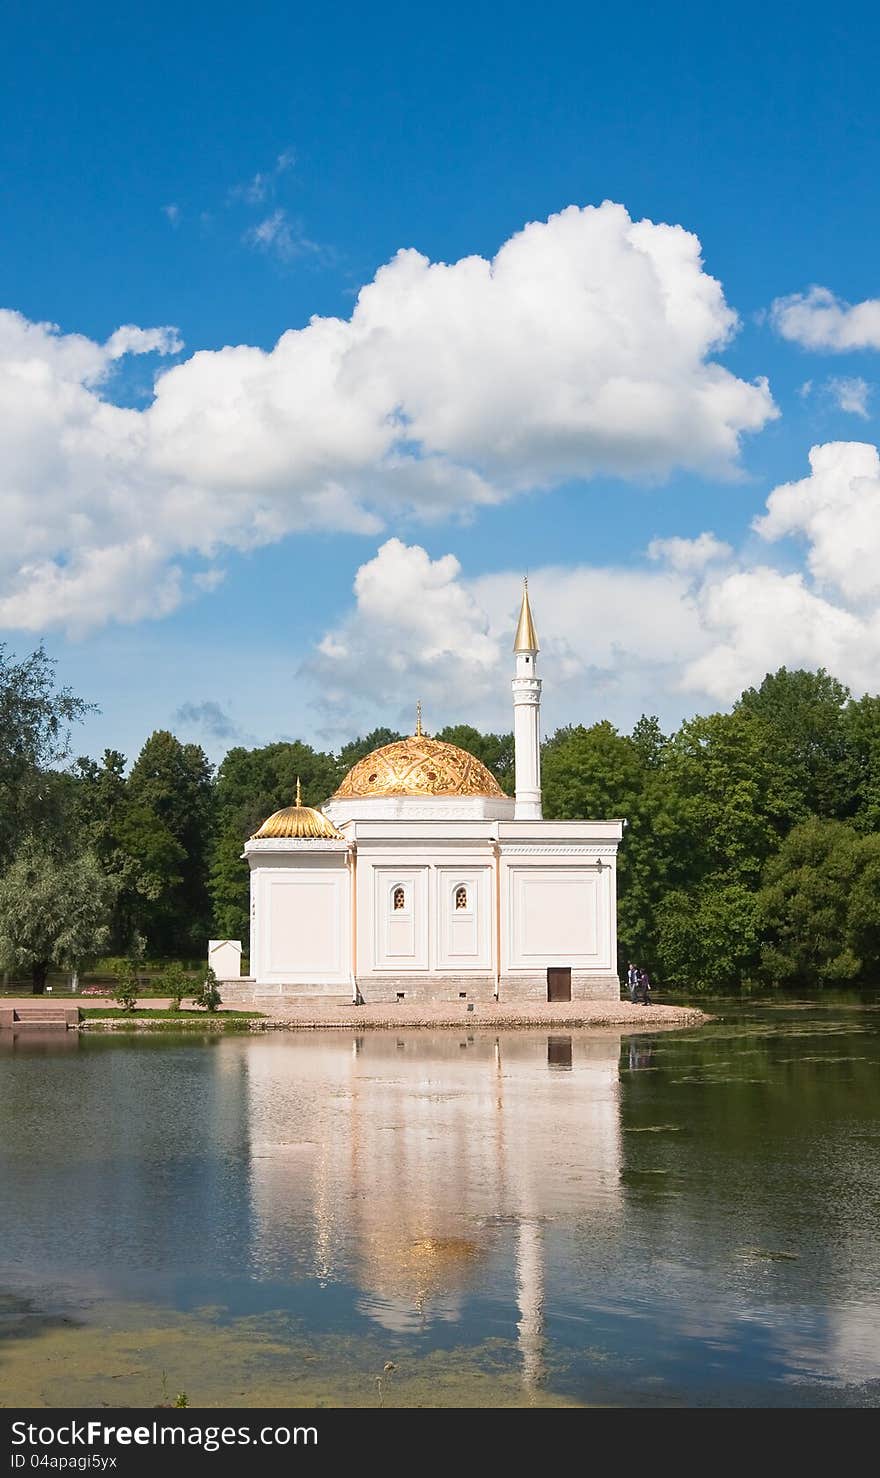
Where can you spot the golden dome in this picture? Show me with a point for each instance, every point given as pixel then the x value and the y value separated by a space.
pixel 418 766
pixel 297 821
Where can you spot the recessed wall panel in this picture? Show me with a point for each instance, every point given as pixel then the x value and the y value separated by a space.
pixel 305 925
pixel 554 917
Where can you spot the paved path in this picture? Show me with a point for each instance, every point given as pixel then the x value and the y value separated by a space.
pixel 450 1013
pixel 315 1015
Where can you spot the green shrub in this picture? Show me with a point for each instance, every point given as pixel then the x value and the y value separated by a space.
pixel 208 993
pixel 173 983
pixel 126 992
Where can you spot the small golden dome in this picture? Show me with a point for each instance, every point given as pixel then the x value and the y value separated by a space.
pixel 418 766
pixel 298 821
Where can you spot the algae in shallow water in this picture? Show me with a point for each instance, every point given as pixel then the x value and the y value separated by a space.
pixel 135 1355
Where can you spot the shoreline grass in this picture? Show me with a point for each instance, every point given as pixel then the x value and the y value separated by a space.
pixel 147 1012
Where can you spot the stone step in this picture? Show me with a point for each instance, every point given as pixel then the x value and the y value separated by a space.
pixel 38 1016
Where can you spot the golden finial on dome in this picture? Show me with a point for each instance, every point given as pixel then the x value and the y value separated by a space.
pixel 419 719
pixel 299 799
pixel 526 639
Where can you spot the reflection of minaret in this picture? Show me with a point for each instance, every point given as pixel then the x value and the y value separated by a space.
pixel 326 1209
pixel 530 1300
pixel 561 1151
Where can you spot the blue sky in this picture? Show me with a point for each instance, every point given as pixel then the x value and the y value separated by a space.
pixel 232 175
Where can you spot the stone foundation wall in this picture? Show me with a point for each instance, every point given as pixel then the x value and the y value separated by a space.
pixel 245 992
pixel 420 989
pixel 584 987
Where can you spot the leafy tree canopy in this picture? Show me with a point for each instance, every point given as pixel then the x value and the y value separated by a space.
pixel 36 717
pixel 52 911
pixel 820 905
pixel 251 784
pixel 806 714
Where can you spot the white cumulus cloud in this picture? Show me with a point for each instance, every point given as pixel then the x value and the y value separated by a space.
pixel 419 629
pixel 415 629
pixel 819 320
pixel 129 339
pixel 585 346
pixel 837 511
pixel 689 554
pixel 691 632
pixel 759 619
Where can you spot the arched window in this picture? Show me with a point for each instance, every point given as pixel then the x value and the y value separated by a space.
pixel 461 898
pixel 398 899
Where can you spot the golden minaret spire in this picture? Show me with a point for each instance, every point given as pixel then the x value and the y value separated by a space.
pixel 526 687
pixel 526 639
pixel 419 719
pixel 299 799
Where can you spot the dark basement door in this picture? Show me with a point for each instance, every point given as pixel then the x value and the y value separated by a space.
pixel 559 983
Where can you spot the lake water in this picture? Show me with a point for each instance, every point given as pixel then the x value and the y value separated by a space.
pixel 530 1218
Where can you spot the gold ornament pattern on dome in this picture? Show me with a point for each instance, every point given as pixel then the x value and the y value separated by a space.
pixel 418 766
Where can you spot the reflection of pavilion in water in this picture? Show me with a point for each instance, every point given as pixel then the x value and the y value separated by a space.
pixel 407 1162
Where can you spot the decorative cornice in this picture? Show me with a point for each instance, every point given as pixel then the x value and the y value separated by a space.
pixel 296 844
pixel 429 813
pixel 535 849
pixel 437 810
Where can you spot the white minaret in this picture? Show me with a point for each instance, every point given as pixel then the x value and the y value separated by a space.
pixel 527 716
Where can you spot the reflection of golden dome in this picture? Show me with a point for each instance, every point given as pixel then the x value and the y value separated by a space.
pixel 424 1268
pixel 297 821
pixel 418 766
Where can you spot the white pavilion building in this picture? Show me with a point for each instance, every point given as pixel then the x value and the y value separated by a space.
pixel 419 879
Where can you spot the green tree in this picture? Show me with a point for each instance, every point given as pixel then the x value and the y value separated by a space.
pixel 54 911
pixel 35 723
pixel 649 741
pixel 862 727
pixel 804 905
pixel 251 784
pixel 598 772
pixel 707 937
pixel 168 825
pixel 806 715
pixel 589 772
pixel 863 908
pixel 134 846
pixel 734 797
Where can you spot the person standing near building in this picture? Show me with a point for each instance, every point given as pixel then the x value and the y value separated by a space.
pixel 645 987
pixel 632 981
